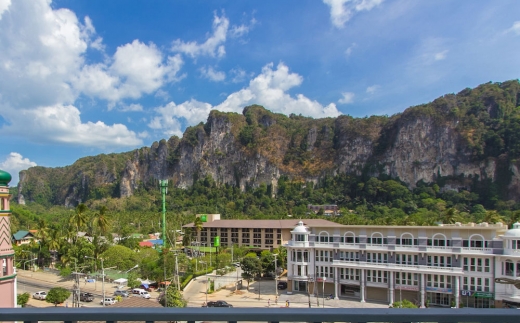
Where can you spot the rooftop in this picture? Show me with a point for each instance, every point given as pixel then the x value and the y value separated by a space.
pixel 267 224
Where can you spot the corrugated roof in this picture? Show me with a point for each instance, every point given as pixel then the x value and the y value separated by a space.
pixel 21 234
pixel 267 224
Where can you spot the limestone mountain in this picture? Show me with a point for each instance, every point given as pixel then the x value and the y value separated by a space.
pixel 456 141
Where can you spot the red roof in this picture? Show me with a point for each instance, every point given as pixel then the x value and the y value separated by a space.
pixel 145 244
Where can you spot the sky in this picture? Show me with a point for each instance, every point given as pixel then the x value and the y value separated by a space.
pixel 82 78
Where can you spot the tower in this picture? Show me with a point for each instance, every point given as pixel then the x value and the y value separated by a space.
pixel 7 273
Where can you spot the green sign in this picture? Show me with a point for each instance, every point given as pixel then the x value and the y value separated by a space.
pixel 216 241
pixel 204 218
pixel 483 295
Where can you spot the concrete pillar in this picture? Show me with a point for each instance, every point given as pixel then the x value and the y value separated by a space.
pixel 336 283
pixel 456 291
pixel 362 286
pixel 423 290
pixel 390 288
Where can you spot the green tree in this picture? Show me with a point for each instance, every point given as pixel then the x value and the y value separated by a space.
pixel 251 267
pixel 22 299
pixel 404 304
pixel 267 260
pixel 132 279
pixel 57 295
pixel 121 257
pixel 172 298
pixel 101 219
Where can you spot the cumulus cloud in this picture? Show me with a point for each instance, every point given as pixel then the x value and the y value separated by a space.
pixel 372 89
pixel 239 75
pixel 212 75
pixel 62 124
pixel 268 89
pixel 213 46
pixel 341 11
pixel 4 5
pixel 134 107
pixel 239 31
pixel 348 97
pixel 514 29
pixel 14 164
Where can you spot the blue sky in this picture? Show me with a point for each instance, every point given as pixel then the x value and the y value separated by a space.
pixel 80 78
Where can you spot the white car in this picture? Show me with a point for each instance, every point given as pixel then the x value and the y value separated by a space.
pixel 108 301
pixel 144 295
pixel 41 295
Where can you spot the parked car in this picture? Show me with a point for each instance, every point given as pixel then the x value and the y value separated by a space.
pixel 218 304
pixel 108 301
pixel 144 294
pixel 86 297
pixel 282 285
pixel 122 293
pixel 41 295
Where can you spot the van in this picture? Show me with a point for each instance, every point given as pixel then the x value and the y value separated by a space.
pixel 144 294
pixel 137 291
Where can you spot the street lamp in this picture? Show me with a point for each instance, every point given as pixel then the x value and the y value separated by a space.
pixel 323 289
pixel 310 280
pixel 207 281
pixel 103 276
pixel 275 280
pixel 134 267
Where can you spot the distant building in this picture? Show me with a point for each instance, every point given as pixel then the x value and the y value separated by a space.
pixel 23 237
pixel 7 273
pixel 259 234
pixel 328 209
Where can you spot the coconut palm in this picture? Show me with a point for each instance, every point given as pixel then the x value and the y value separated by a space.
pixel 79 217
pixel 101 219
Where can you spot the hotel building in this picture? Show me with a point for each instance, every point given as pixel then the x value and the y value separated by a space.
pixel 470 265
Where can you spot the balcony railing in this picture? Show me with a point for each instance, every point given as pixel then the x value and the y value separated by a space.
pixel 396 267
pixel 191 315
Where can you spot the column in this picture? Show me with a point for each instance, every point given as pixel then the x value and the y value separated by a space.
pixel 390 288
pixel 362 285
pixel 422 291
pixel 456 291
pixel 336 283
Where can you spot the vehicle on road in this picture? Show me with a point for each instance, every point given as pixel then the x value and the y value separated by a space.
pixel 144 295
pixel 86 297
pixel 41 295
pixel 282 285
pixel 122 293
pixel 218 304
pixel 108 301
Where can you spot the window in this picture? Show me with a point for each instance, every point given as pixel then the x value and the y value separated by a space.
pixel 324 271
pixel 515 244
pixel 409 279
pixel 324 237
pixel 377 276
pixel 439 261
pixel 477 284
pixel 476 264
pixel 349 238
pixel 475 241
pixel 377 257
pixel 508 268
pixel 299 237
pixel 439 240
pixel 438 281
pixel 324 255
pixel 349 256
pixel 406 240
pixel 376 239
pixel 410 260
pixel 349 273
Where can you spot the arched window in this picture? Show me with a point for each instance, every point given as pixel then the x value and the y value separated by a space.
pixel 406 240
pixel 477 241
pixel 349 237
pixel 440 240
pixel 508 268
pixel 323 237
pixel 375 239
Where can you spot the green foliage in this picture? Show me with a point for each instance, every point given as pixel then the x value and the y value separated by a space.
pixel 404 304
pixel 133 281
pixel 186 280
pixel 172 298
pixel 251 267
pixel 65 271
pixel 119 256
pixel 22 299
pixel 57 295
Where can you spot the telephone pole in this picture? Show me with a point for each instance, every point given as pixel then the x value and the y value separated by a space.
pixel 163 183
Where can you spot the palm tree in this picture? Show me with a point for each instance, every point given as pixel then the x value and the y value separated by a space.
pixel 78 218
pixel 101 219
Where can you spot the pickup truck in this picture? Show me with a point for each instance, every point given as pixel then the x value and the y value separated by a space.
pixel 219 304
pixel 86 297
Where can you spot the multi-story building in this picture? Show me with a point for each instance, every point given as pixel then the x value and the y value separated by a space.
pixel 7 274
pixel 259 234
pixel 444 265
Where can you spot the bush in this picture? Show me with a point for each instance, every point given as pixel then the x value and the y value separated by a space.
pixel 404 304
pixel 186 281
pixel 22 299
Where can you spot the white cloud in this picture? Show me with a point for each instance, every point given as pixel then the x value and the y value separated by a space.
pixel 239 31
pixel 131 108
pixel 515 28
pixel 268 89
pixel 4 5
pixel 350 49
pixel 440 55
pixel 341 11
pixel 239 75
pixel 372 89
pixel 348 97
pixel 212 74
pixel 13 164
pixel 211 47
pixel 62 124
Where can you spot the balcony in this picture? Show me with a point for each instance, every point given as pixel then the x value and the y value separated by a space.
pixel 397 267
pixel 192 315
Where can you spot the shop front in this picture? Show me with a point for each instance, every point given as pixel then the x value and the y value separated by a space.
pixel 439 296
pixel 477 299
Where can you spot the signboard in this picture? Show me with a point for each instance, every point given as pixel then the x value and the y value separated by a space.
pixel 465 292
pixel 438 289
pixel 216 241
pixel 204 217
pixel 405 287
pixel 484 295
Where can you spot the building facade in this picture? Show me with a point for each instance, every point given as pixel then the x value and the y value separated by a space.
pixel 8 274
pixel 470 265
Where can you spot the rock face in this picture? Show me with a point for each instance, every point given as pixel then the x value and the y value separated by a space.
pixel 424 143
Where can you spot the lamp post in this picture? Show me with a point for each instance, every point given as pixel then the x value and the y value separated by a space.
pixel 275 280
pixel 207 281
pixel 102 276
pixel 323 290
pixel 310 280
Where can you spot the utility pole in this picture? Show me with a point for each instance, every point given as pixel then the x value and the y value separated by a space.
pixel 163 183
pixel 177 272
pixel 275 280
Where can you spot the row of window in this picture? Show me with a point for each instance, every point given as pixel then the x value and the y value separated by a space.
pixel 236 230
pixel 508 268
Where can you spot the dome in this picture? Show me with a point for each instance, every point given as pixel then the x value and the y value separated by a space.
pixel 300 228
pixel 5 177
pixel 514 232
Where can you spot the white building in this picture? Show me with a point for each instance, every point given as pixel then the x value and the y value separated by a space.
pixel 444 265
